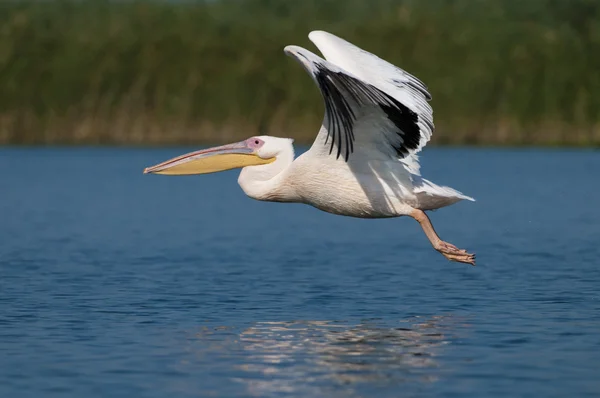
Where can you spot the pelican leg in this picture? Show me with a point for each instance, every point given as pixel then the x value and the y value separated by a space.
pixel 448 250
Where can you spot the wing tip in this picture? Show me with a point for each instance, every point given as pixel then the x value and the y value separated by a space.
pixel 322 38
pixel 303 56
pixel 291 50
pixel 315 34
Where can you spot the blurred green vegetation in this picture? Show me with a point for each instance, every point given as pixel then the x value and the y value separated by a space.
pixel 156 72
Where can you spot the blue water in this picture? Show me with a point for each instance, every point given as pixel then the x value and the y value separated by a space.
pixel 114 283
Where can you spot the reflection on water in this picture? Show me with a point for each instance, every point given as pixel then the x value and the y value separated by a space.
pixel 330 358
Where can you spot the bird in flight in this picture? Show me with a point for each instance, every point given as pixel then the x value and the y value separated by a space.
pixel 363 162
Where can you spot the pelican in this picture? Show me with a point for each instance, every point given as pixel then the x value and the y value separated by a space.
pixel 363 162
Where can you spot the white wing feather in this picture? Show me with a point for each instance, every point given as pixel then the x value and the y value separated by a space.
pixel 399 84
pixel 360 119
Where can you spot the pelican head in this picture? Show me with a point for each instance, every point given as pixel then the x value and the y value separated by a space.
pixel 254 151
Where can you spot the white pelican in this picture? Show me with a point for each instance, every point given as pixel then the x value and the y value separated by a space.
pixel 363 162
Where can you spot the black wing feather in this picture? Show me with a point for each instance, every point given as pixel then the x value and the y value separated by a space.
pixel 339 88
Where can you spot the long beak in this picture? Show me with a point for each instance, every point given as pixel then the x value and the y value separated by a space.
pixel 210 160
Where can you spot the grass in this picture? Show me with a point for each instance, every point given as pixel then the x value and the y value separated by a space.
pixel 156 73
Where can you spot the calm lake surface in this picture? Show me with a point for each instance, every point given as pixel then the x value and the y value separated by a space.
pixel 119 284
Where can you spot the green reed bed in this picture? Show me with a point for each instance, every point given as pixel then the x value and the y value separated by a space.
pixel 97 72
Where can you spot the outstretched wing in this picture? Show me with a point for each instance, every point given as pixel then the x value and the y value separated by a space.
pixel 370 105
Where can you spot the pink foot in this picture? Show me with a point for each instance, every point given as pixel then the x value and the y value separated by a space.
pixel 453 253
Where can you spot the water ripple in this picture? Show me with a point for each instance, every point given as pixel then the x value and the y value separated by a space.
pixel 320 357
